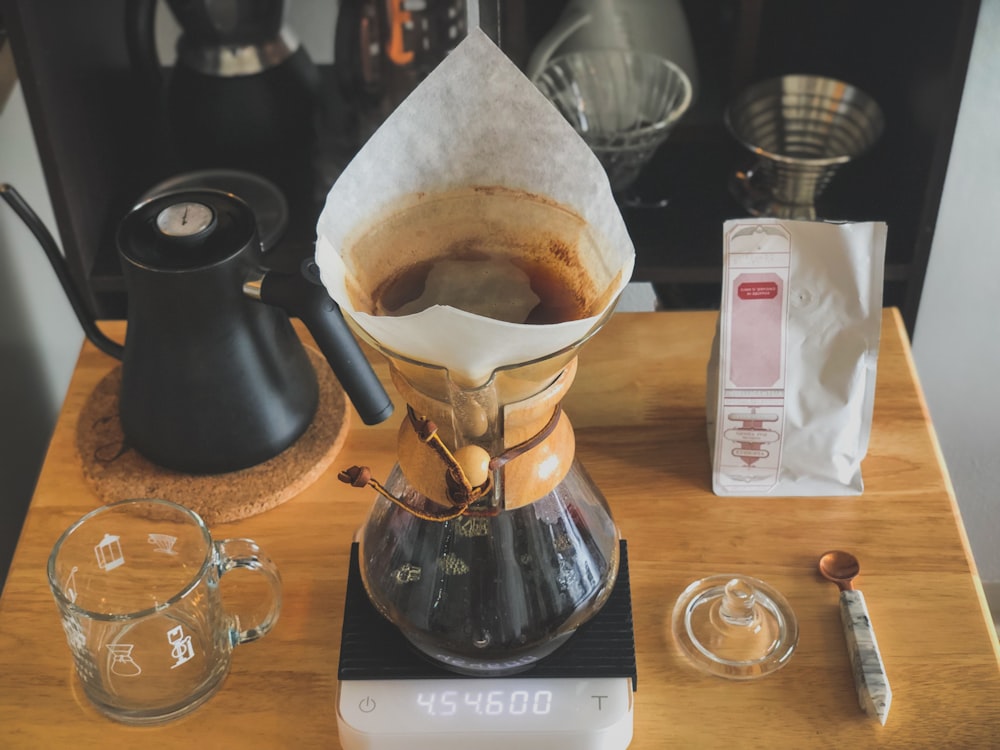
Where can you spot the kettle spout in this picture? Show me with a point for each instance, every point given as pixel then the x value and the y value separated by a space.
pixel 58 262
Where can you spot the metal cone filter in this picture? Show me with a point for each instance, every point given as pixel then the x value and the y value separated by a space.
pixel 803 128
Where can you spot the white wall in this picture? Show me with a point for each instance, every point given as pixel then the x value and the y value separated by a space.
pixel 956 341
pixel 39 336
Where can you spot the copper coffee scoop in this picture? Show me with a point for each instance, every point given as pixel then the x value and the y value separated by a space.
pixel 841 568
pixel 874 693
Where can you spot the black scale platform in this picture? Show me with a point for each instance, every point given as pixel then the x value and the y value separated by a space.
pixel 372 648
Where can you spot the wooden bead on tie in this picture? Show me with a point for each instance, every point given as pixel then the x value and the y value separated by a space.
pixel 475 462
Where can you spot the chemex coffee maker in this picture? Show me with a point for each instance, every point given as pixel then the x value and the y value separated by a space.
pixel 488 597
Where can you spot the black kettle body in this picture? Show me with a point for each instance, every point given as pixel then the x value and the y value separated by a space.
pixel 212 380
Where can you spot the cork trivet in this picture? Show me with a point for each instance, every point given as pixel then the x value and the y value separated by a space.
pixel 117 472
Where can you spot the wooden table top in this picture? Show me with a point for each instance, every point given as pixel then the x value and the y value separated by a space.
pixel 638 409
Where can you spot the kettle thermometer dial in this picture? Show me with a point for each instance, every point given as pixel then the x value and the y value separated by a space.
pixel 187 219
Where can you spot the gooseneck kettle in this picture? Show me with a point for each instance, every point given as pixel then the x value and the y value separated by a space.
pixel 214 376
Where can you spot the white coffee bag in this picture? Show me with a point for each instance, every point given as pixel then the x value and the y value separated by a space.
pixel 791 380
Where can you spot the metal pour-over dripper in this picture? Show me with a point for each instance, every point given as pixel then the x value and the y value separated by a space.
pixel 801 129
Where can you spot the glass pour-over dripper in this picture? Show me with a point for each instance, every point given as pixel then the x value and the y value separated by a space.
pixel 487 582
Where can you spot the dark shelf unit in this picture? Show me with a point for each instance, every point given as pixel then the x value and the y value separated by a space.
pixel 913 62
pixel 102 140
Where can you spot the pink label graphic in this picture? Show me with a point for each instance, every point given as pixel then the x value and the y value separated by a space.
pixel 752 435
pixel 751 446
pixel 757 311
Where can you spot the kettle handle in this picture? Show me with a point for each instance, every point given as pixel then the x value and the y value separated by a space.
pixel 58 262
pixel 553 40
pixel 298 295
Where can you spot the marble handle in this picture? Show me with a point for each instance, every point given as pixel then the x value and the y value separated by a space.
pixel 874 693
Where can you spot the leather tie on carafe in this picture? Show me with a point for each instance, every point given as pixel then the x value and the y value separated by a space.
pixel 537 451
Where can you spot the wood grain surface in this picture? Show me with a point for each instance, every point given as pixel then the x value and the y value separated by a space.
pixel 638 409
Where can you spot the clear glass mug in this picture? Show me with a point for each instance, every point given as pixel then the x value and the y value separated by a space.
pixel 137 586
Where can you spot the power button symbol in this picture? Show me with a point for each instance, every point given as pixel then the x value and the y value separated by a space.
pixel 367 704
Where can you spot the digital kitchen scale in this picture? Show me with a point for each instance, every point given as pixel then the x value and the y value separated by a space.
pixel 580 697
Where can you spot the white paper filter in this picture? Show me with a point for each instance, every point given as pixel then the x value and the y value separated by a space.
pixel 476 120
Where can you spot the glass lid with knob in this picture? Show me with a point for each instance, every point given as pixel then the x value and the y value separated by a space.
pixel 734 626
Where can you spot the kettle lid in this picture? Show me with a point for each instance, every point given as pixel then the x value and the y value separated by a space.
pixel 187 230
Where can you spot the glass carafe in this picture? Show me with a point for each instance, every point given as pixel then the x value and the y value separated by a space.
pixel 489 581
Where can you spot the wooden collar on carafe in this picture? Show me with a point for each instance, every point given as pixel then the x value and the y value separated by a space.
pixel 539 444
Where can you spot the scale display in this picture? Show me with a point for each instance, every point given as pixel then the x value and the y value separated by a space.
pixel 485 713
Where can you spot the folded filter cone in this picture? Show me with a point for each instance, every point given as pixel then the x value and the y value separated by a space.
pixel 448 232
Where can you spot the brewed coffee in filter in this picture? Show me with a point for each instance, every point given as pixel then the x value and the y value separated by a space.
pixel 475 229
pixel 476 241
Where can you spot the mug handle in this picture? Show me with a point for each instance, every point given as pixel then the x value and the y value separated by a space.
pixel 245 553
